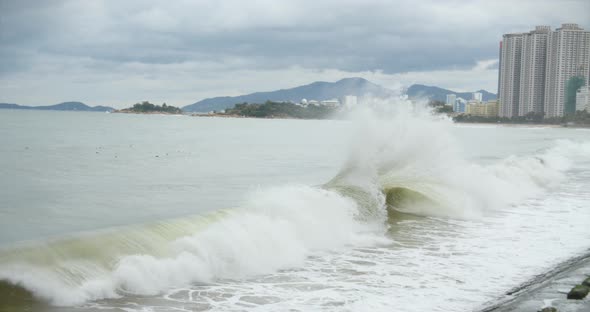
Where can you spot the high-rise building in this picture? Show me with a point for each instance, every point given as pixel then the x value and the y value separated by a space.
pixel 460 106
pixel 568 56
pixel 510 71
pixel 477 96
pixel 499 66
pixel 532 79
pixel 540 71
pixel 583 99
pixel 451 99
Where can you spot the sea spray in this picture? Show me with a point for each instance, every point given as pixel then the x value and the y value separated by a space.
pixel 276 228
pixel 403 145
pixel 396 144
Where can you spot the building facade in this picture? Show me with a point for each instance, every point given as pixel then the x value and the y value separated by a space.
pixel 568 55
pixel 451 99
pixel 491 109
pixel 510 71
pixel 478 96
pixel 532 81
pixel 536 69
pixel 460 106
pixel 583 99
pixel 477 108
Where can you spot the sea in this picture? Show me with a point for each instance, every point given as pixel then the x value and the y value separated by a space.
pixel 391 209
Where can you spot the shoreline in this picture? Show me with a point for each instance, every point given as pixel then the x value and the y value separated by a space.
pixel 491 124
pixel 211 115
pixel 518 125
pixel 252 117
pixel 548 289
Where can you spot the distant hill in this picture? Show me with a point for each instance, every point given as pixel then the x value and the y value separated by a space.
pixel 319 91
pixel 440 94
pixel 65 106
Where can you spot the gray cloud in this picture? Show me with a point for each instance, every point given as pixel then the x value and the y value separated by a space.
pixel 87 40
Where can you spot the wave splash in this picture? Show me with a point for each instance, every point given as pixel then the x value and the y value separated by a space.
pixel 275 229
pixel 408 158
pixel 402 158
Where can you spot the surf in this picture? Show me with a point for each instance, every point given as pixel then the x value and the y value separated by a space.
pixel 275 229
pixel 402 160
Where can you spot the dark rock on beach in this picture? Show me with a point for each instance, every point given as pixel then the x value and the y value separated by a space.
pixel 578 292
pixel 548 309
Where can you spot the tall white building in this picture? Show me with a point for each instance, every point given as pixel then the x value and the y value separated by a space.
pixel 451 99
pixel 460 106
pixel 532 79
pixel 568 55
pixel 510 69
pixel 583 99
pixel 535 68
pixel 478 96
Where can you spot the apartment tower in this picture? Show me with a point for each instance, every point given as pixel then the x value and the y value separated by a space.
pixel 451 99
pixel 568 55
pixel 510 70
pixel 532 80
pixel 536 67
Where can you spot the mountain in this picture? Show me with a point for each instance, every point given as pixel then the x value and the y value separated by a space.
pixel 440 94
pixel 65 106
pixel 318 91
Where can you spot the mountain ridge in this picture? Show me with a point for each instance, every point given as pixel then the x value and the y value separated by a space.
pixel 322 90
pixel 318 90
pixel 64 106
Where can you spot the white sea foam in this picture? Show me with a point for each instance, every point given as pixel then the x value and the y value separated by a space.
pixel 276 229
pixel 396 145
pixel 405 145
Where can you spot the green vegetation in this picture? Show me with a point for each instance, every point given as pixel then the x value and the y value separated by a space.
pixel 147 107
pixel 577 118
pixel 572 86
pixel 281 110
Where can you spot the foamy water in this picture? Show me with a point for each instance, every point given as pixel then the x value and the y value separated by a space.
pixel 504 211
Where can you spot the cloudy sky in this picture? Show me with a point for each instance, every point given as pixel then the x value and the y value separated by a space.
pixel 115 52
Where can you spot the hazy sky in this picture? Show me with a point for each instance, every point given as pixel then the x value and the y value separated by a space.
pixel 115 52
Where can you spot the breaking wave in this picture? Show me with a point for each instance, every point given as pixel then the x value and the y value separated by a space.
pixel 402 159
pixel 407 159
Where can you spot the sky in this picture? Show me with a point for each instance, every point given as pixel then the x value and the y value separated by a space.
pixel 116 53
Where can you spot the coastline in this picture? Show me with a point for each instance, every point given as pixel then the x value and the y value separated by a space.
pixel 511 125
pixel 548 289
pixel 253 117
pixel 516 125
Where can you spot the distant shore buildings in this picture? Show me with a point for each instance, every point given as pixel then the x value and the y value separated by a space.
pixel 348 101
pixel 481 109
pixel 475 106
pixel 541 71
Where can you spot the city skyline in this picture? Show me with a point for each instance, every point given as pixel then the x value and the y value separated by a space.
pixel 112 53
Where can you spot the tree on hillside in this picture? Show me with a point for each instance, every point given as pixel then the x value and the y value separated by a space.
pixel 146 107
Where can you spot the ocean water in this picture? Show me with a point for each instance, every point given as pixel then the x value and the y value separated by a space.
pixel 391 211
